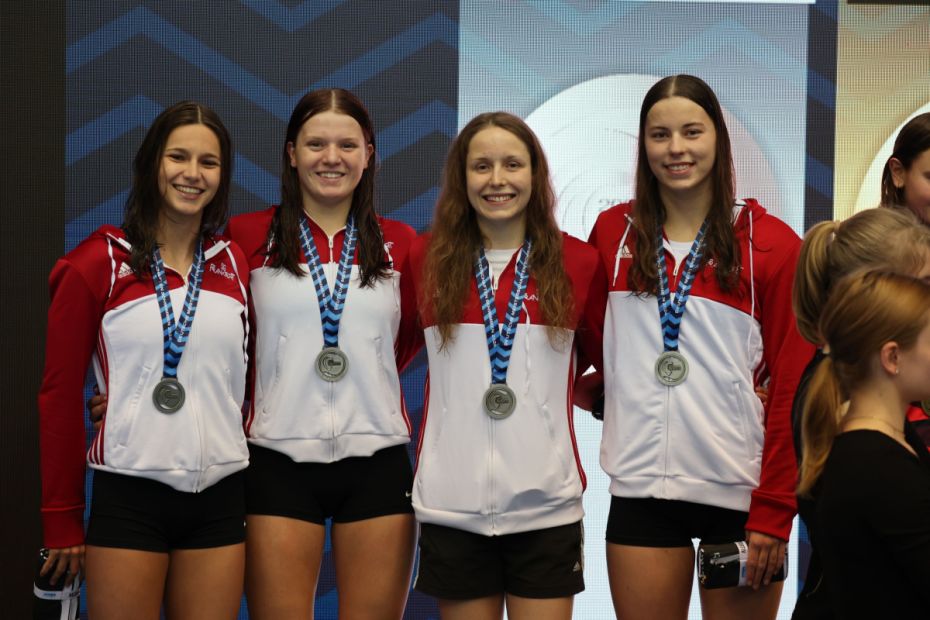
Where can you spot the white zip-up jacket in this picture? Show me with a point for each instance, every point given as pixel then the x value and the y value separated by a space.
pixel 100 309
pixel 293 410
pixel 708 440
pixel 521 473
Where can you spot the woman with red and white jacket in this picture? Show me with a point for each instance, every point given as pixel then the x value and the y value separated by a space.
pixel 327 425
pixel 699 313
pixel 504 300
pixel 160 308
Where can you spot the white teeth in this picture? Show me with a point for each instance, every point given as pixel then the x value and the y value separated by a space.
pixel 679 167
pixel 499 198
pixel 330 175
pixel 188 190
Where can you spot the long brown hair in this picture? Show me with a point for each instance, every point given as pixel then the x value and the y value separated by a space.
pixel 140 217
pixel 456 237
pixel 864 311
pixel 283 234
pixel 912 140
pixel 649 211
pixel 886 239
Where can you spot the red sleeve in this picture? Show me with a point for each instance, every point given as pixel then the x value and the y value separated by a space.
pixel 74 317
pixel 785 354
pixel 410 335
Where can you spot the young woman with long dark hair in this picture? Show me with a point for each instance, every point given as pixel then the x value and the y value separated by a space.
pixel 699 314
pixel 160 306
pixel 505 300
pixel 327 425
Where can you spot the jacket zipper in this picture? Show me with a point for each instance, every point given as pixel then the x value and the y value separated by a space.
pixel 492 506
pixel 332 386
pixel 200 434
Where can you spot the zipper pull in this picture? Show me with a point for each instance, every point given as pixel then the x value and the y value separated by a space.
pixel 330 248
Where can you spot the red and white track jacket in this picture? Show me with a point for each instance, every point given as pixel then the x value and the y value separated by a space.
pixel 293 410
pixel 708 440
pixel 522 473
pixel 101 310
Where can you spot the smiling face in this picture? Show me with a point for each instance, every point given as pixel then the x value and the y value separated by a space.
pixel 914 183
pixel 190 171
pixel 329 154
pixel 499 179
pixel 680 143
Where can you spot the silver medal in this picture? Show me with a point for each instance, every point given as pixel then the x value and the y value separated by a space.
pixel 168 395
pixel 331 364
pixel 499 401
pixel 671 368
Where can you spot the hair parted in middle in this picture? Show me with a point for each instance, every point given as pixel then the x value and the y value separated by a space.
pixel 648 210
pixel 283 234
pixel 456 237
pixel 886 239
pixel 864 311
pixel 140 218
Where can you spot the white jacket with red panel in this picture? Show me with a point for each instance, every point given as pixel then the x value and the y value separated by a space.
pixel 101 310
pixel 293 410
pixel 521 473
pixel 708 440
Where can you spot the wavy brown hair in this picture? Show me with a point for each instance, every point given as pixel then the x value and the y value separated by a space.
pixel 456 237
pixel 140 217
pixel 864 311
pixel 912 140
pixel 886 239
pixel 284 235
pixel 649 211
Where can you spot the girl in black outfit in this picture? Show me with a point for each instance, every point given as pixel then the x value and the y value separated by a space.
pixel 870 477
pixel 871 239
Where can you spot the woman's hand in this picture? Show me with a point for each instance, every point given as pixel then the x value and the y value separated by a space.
pixel 766 555
pixel 97 406
pixel 68 561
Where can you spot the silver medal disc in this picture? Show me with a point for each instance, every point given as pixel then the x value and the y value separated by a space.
pixel 168 395
pixel 331 364
pixel 671 368
pixel 499 401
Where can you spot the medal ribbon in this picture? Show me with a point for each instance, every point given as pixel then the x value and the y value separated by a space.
pixel 175 334
pixel 331 304
pixel 500 340
pixel 671 310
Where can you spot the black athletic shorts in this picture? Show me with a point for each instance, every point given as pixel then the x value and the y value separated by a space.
pixel 353 489
pixel 650 522
pixel 130 512
pixel 459 565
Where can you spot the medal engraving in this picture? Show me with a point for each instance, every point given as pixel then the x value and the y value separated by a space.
pixel 499 401
pixel 671 368
pixel 331 364
pixel 168 395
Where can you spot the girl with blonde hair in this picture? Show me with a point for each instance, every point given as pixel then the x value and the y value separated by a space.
pixel 885 239
pixel 870 476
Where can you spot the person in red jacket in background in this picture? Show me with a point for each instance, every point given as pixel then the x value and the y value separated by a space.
pixel 160 307
pixel 906 184
pixel 699 313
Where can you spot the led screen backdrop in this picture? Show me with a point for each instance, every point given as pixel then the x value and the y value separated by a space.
pixel 575 69
pixel 883 79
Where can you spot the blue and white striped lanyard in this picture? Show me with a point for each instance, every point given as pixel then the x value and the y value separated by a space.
pixel 671 311
pixel 175 334
pixel 500 340
pixel 331 304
